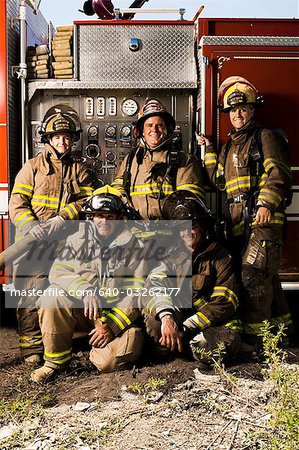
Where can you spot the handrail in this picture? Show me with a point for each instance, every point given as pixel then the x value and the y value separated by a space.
pixel 119 11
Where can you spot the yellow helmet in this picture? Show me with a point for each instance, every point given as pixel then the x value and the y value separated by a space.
pixel 107 190
pixel 236 91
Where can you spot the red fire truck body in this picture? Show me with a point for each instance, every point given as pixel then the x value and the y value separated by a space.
pixel 118 64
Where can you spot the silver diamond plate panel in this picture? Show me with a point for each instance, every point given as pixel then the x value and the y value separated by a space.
pixel 165 58
pixel 250 40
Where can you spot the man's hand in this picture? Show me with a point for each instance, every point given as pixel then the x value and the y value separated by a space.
pixel 203 140
pixel 263 216
pixel 92 307
pixel 171 336
pixel 101 335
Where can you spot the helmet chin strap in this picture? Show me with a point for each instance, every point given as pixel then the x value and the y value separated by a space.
pixel 159 147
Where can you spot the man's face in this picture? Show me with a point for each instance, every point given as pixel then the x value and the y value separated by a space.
pixel 193 239
pixel 154 131
pixel 105 223
pixel 62 142
pixel 240 115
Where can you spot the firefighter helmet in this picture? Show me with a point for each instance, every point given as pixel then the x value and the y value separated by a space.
pixel 236 91
pixel 108 199
pixel 104 9
pixel 185 205
pixel 59 119
pixel 154 108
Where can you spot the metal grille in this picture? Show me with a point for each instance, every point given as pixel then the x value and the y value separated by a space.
pixel 165 58
pixel 250 40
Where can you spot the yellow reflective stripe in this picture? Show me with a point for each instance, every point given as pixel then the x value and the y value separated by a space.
pixel 122 314
pixel 253 328
pixel 200 303
pixel 203 319
pixel 237 183
pixel 245 178
pixel 26 186
pixel 210 159
pixel 234 325
pixel 48 205
pixel 63 265
pixel 30 341
pixel 24 214
pixel 269 163
pixel 46 197
pixel 270 196
pixel 71 211
pixel 227 293
pixel 286 319
pixel 58 358
pixel 79 281
pixel 116 320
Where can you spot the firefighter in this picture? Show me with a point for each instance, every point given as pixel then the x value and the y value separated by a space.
pixel 156 167
pixel 209 318
pixel 253 170
pixel 92 281
pixel 48 191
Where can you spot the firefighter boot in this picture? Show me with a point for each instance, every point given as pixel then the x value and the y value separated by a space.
pixel 44 373
pixel 33 360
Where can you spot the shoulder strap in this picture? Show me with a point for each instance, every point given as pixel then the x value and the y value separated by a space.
pixel 127 172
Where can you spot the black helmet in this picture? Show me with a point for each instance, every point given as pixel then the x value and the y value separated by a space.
pixel 154 108
pixel 59 119
pixel 185 205
pixel 104 203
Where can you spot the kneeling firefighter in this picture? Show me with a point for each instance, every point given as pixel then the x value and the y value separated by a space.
pixel 48 191
pixel 96 275
pixel 210 316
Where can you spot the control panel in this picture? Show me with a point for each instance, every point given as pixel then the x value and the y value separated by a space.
pixel 107 120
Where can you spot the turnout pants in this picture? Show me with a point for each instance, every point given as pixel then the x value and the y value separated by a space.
pixel 60 317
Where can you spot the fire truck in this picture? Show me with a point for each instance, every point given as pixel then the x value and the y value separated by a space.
pixel 120 62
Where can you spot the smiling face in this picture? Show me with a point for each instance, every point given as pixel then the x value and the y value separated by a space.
pixel 61 142
pixel 105 223
pixel 240 115
pixel 154 131
pixel 193 239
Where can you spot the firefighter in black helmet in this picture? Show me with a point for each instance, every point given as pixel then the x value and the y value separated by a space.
pixel 48 191
pixel 210 316
pixel 254 172
pixel 156 168
pixel 100 267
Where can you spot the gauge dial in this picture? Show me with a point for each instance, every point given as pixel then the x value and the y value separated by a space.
pixel 129 107
pixel 125 131
pixel 110 130
pixel 93 131
pixel 92 151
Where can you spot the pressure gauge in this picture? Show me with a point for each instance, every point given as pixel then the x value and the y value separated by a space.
pixel 125 131
pixel 92 131
pixel 110 130
pixel 129 107
pixel 92 151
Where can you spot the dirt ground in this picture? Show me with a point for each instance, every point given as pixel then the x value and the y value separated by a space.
pixel 170 405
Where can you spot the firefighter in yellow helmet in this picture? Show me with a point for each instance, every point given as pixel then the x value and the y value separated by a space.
pixel 156 168
pixel 254 172
pixel 92 284
pixel 48 191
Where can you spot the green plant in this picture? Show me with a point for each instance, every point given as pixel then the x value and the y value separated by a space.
pixel 151 385
pixel 284 400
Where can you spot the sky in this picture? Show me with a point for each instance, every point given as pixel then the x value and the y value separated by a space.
pixel 64 12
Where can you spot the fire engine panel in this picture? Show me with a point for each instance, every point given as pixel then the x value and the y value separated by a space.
pixel 107 137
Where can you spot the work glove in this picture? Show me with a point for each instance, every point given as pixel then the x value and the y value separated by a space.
pixel 39 231
pixel 55 224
